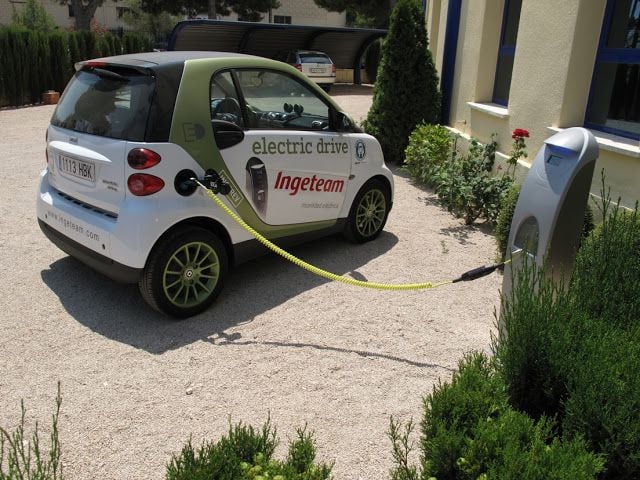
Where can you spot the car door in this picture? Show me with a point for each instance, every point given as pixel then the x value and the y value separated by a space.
pixel 290 166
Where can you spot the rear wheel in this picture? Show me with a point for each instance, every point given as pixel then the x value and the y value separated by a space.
pixel 184 273
pixel 368 213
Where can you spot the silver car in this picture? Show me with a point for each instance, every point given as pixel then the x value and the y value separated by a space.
pixel 315 65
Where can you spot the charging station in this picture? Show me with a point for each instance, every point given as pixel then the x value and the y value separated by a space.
pixel 549 215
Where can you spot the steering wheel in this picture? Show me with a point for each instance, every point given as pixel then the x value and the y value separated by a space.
pixel 228 105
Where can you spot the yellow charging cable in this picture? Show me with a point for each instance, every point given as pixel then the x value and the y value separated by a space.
pixel 470 275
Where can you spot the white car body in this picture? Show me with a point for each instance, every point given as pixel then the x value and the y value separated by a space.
pixel 287 183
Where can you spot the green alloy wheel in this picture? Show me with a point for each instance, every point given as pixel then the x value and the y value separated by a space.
pixel 184 273
pixel 368 213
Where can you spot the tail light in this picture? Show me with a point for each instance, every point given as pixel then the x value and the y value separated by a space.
pixel 143 184
pixel 333 69
pixel 143 158
pixel 299 66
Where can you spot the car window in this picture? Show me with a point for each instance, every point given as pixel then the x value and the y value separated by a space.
pixel 276 100
pixel 224 99
pixel 314 58
pixel 106 103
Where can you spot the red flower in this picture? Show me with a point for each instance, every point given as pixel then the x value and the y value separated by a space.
pixel 519 133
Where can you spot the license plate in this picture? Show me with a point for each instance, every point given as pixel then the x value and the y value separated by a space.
pixel 77 168
pixel 317 70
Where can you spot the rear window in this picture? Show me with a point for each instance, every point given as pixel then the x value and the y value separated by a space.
pixel 106 103
pixel 314 58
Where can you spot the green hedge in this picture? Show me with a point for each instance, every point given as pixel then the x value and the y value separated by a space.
pixel 471 432
pixel 573 352
pixel 463 181
pixel 32 62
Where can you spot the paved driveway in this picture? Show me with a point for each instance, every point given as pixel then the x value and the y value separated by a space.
pixel 279 341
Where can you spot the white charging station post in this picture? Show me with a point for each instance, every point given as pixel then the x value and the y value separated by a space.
pixel 549 215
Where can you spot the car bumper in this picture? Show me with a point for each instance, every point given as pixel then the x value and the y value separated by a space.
pixel 323 80
pixel 86 234
pixel 100 263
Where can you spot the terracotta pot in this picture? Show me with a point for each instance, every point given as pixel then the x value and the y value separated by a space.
pixel 50 97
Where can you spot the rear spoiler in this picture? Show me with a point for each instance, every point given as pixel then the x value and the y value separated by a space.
pixel 102 66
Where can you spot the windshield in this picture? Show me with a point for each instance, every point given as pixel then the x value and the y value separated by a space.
pixel 105 103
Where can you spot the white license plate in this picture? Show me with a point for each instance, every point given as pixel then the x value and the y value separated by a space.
pixel 77 168
pixel 318 70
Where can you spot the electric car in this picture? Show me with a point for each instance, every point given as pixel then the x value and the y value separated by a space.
pixel 130 134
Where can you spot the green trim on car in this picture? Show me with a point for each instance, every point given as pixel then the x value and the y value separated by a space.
pixel 191 129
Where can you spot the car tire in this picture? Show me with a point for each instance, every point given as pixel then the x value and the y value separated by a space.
pixel 368 213
pixel 184 272
pixel 326 88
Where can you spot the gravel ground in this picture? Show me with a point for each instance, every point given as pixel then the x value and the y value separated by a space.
pixel 279 341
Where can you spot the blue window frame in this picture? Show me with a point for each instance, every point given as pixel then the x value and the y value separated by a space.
pixel 614 100
pixel 507 51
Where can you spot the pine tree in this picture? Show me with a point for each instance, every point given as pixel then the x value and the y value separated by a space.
pixel 406 90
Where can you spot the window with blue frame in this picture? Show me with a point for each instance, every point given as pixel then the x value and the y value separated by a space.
pixel 614 101
pixel 507 51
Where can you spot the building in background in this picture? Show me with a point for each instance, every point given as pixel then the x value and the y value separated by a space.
pixel 109 15
pixel 544 65
pixel 297 12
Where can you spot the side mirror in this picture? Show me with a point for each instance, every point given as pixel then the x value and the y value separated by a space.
pixel 226 134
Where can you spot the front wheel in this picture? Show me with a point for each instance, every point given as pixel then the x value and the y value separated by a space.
pixel 368 213
pixel 184 272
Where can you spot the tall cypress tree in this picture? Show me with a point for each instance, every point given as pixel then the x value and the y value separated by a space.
pixel 406 91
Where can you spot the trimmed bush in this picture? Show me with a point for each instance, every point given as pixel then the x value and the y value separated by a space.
pixel 61 66
pixel 34 61
pixel 574 352
pixel 463 181
pixel 372 61
pixel 606 280
pixel 246 453
pixel 430 146
pixel 470 432
pixel 466 186
pixel 406 89
pixel 39 70
pixel 505 217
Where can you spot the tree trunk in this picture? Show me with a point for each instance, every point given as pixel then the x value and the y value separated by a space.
pixel 84 13
pixel 212 9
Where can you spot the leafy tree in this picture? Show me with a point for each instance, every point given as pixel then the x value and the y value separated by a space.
pixel 34 17
pixel 158 25
pixel 364 13
pixel 406 91
pixel 250 10
pixel 83 11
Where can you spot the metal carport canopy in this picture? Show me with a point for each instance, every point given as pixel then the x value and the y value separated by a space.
pixel 345 46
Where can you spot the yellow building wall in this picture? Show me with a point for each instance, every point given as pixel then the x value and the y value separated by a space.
pixel 553 66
